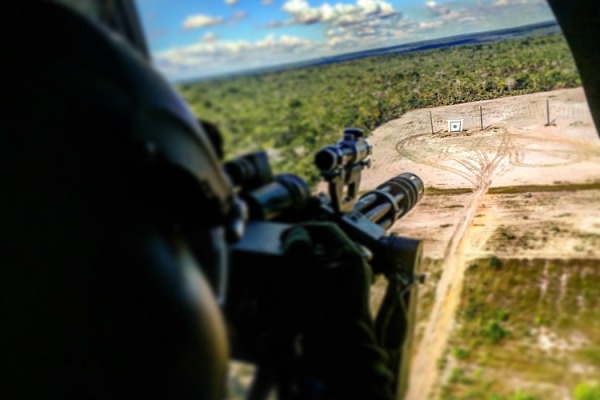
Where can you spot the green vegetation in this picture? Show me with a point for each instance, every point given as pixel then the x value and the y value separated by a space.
pixel 495 262
pixel 587 391
pixel 433 191
pixel 521 396
pixel 544 188
pixel 494 332
pixel 475 386
pixel 563 187
pixel 591 354
pixel 552 322
pixel 459 375
pixel 433 270
pixel 296 112
pixel 460 353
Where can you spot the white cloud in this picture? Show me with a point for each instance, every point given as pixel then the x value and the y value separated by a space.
pixel 267 2
pixel 201 21
pixel 293 41
pixel 213 56
pixel 482 16
pixel 424 25
pixel 231 2
pixel 368 33
pixel 502 3
pixel 347 27
pixel 438 10
pixel 302 13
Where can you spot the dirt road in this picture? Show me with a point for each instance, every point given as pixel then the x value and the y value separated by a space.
pixel 514 149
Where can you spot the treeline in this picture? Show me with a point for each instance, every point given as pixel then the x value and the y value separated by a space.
pixel 295 112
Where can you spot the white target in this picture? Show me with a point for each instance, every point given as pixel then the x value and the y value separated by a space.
pixel 455 125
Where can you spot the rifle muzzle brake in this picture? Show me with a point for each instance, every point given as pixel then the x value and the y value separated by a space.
pixel 391 200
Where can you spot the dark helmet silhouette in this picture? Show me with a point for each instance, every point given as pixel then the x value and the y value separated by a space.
pixel 113 212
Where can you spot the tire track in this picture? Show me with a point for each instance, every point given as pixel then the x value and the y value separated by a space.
pixel 424 366
pixel 424 372
pixel 479 161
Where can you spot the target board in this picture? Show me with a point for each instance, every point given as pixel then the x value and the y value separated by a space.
pixel 455 125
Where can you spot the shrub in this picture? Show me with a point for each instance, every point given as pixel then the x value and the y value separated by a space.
pixel 587 391
pixel 521 396
pixel 494 332
pixel 460 354
pixel 495 262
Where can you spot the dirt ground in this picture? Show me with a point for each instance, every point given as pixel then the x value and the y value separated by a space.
pixel 533 193
pixel 515 148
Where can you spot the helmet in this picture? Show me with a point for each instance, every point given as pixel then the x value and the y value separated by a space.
pixel 94 9
pixel 113 216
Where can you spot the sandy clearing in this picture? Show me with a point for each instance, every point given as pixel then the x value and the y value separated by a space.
pixel 533 153
pixel 515 149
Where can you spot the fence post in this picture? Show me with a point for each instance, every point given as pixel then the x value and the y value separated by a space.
pixel 431 121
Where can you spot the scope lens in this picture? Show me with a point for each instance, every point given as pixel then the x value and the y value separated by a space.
pixel 250 171
pixel 326 159
pixel 286 193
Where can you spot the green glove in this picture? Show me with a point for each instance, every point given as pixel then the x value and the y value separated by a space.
pixel 330 304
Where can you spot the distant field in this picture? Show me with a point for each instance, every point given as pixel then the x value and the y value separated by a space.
pixel 295 112
pixel 503 207
pixel 510 224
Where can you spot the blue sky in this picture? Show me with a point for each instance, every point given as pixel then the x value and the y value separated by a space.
pixel 201 38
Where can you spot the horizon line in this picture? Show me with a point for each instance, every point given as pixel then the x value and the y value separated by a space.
pixel 320 60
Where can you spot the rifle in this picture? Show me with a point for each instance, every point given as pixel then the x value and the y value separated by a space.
pixel 274 204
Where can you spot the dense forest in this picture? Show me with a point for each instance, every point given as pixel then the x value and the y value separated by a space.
pixel 295 112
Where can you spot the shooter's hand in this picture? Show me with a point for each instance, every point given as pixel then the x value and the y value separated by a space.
pixel 332 276
pixel 330 302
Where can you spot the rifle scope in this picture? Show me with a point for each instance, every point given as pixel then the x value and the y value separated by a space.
pixel 266 196
pixel 286 192
pixel 391 200
pixel 351 150
pixel 250 171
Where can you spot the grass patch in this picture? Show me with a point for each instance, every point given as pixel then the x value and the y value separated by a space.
pixel 495 262
pixel 494 332
pixel 544 188
pixel 506 306
pixel 433 191
pixel 458 375
pixel 460 353
pixel 565 187
pixel 587 391
pixel 591 355
pixel 426 294
pixel 522 396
